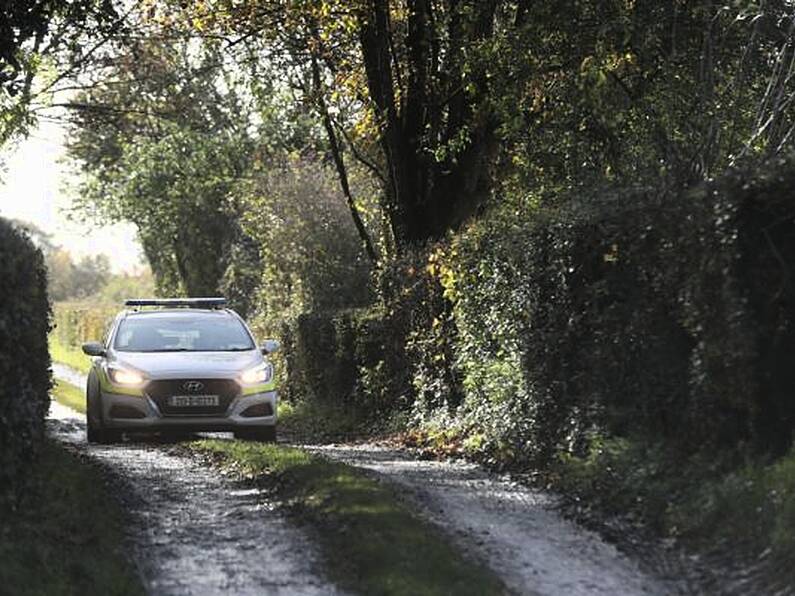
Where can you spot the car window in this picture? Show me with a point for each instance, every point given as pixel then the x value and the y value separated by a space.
pixel 182 333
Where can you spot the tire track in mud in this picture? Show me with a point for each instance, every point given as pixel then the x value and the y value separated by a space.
pixel 191 530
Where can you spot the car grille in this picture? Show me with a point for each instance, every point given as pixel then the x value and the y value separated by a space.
pixel 160 391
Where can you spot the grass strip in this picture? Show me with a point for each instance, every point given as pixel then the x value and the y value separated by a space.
pixel 68 395
pixel 371 541
pixel 69 355
pixel 66 537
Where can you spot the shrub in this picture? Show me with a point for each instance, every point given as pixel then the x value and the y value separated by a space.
pixel 24 359
pixel 312 257
pixel 349 361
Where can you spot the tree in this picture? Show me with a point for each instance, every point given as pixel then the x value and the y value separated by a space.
pixel 416 74
pixel 90 275
pixel 41 239
pixel 68 280
pixel 311 256
pixel 641 93
pixel 163 148
pixel 470 99
pixel 60 275
pixel 122 286
pixel 63 34
pixel 430 99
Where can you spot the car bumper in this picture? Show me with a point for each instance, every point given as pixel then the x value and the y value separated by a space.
pixel 126 412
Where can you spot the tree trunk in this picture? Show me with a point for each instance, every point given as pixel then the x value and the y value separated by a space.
pixel 426 197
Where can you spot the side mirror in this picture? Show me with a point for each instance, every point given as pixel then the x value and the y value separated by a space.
pixel 269 346
pixel 94 348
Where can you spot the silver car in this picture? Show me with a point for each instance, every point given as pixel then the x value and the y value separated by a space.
pixel 184 365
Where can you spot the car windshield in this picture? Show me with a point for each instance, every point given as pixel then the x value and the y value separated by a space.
pixel 182 333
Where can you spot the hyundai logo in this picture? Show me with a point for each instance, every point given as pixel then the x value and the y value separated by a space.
pixel 193 386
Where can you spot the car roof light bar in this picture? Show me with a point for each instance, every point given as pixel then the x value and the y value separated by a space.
pixel 216 302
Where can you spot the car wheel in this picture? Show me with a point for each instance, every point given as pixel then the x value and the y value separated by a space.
pixel 94 432
pixel 103 436
pixel 266 434
pixel 95 429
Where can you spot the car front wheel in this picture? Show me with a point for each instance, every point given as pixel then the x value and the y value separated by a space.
pixel 95 430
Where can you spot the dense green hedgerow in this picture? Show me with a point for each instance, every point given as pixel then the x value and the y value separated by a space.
pixel 635 347
pixel 24 360
pixel 67 535
pixel 350 362
pixel 667 317
pixel 626 313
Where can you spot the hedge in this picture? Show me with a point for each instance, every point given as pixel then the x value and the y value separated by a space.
pixel 350 360
pixel 24 359
pixel 630 312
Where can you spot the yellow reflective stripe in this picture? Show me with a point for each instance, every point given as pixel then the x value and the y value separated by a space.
pixel 108 387
pixel 264 388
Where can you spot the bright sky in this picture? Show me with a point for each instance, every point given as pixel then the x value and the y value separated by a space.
pixel 32 189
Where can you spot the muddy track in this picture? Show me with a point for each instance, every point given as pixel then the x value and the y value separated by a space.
pixel 191 530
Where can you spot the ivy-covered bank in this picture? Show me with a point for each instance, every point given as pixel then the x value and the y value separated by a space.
pixel 637 327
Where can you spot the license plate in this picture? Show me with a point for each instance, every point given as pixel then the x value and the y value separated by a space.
pixel 188 401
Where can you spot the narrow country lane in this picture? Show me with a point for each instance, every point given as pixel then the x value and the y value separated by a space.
pixel 194 531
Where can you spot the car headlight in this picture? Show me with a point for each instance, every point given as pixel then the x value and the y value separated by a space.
pixel 125 376
pixel 261 373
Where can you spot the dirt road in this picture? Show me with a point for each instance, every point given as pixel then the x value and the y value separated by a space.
pixel 193 531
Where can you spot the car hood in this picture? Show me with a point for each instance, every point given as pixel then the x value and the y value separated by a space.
pixel 176 365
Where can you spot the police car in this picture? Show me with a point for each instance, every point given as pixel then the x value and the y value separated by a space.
pixel 180 365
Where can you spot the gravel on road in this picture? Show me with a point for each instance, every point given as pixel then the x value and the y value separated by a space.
pixel 193 531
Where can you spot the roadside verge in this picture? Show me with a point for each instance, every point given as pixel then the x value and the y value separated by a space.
pixel 67 535
pixel 68 395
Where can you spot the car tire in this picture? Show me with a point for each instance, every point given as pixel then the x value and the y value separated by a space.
pixel 95 427
pixel 102 436
pixel 94 432
pixel 265 434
